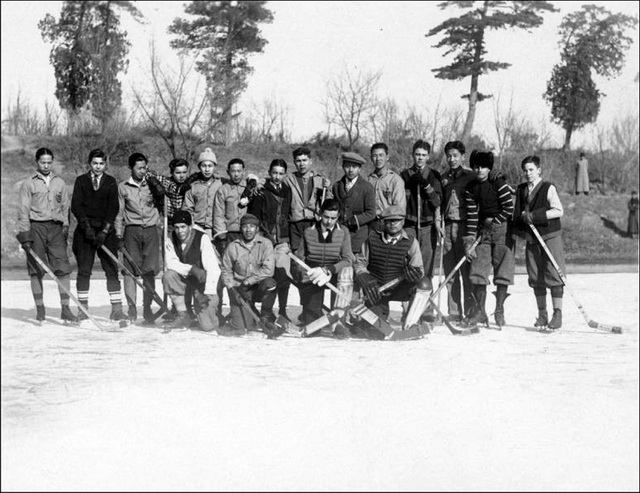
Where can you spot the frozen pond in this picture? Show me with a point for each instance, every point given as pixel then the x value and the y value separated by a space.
pixel 142 410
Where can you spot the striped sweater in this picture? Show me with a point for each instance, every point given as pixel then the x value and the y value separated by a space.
pixel 487 200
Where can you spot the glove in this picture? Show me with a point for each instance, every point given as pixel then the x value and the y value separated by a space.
pixel 412 274
pixel 526 218
pixel 100 237
pixel 155 187
pixel 26 240
pixel 326 183
pixel 89 232
pixel 198 274
pixel 370 288
pixel 352 223
pixel 468 243
pixel 319 276
pixel 494 174
pixel 119 242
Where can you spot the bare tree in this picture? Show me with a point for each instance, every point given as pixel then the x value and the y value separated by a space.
pixel 350 99
pixel 176 109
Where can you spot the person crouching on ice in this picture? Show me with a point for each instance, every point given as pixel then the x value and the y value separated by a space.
pixel 191 261
pixel 387 255
pixel 326 248
pixel 537 203
pixel 247 272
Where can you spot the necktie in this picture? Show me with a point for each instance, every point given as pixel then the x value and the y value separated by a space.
pixel 94 180
pixel 348 185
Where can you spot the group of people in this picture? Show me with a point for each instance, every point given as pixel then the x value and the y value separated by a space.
pixel 297 227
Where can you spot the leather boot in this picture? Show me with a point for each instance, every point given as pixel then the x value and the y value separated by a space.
pixel 556 319
pixel 479 315
pixel 82 315
pixel 67 315
pixel 40 313
pixel 501 295
pixel 542 320
pixel 116 312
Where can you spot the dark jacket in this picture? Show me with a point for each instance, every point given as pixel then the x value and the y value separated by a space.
pixel 429 202
pixel 99 207
pixel 358 203
pixel 272 208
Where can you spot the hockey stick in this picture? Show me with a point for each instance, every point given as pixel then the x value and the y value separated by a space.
pixel 55 278
pixel 440 267
pixel 165 238
pixel 591 323
pixel 272 330
pixel 142 284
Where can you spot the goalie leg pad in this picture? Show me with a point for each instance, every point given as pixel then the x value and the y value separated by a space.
pixel 345 286
pixel 417 307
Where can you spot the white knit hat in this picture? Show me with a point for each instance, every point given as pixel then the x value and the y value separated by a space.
pixel 207 155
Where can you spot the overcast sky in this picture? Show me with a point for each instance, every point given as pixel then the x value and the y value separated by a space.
pixel 310 41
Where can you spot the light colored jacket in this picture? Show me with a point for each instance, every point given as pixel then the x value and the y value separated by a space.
pixel 389 190
pixel 39 202
pixel 209 259
pixel 301 207
pixel 136 206
pixel 199 201
pixel 226 207
pixel 253 263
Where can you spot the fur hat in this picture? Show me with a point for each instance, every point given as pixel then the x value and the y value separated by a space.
pixel 181 217
pixel 207 155
pixel 353 158
pixel 481 159
pixel 249 219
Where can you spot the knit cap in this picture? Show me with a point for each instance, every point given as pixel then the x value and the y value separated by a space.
pixel 207 155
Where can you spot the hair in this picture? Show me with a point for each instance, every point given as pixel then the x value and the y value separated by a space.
pixel 97 153
pixel 330 205
pixel 481 159
pixel 380 145
pixel 135 157
pixel 43 151
pixel 530 159
pixel 177 162
pixel 301 151
pixel 456 145
pixel 278 162
pixel 633 192
pixel 582 154
pixel 235 160
pixel 421 144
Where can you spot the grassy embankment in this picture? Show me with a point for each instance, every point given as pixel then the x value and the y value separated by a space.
pixel 594 226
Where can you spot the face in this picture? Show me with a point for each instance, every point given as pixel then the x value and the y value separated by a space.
pixel 379 158
pixel 420 157
pixel 236 172
pixel 481 173
pixel 393 226
pixel 351 170
pixel 98 165
pixel 249 231
pixel 182 231
pixel 206 168
pixel 276 173
pixel 303 163
pixel 531 172
pixel 454 158
pixel 139 170
pixel 179 174
pixel 329 219
pixel 44 164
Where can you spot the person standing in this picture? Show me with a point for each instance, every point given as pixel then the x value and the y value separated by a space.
pixel 272 209
pixel 632 220
pixel 357 200
pixel 308 190
pixel 191 263
pixel 423 188
pixel 326 248
pixel 94 203
pixel 538 203
pixel 387 184
pixel 454 182
pixel 247 271
pixel 489 208
pixel 136 225
pixel 175 185
pixel 582 175
pixel 43 227
pixel 198 200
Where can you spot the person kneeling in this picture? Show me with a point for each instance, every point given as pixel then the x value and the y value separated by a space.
pixel 247 272
pixel 191 261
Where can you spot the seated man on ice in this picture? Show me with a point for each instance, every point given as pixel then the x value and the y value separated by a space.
pixel 191 261
pixel 247 271
pixel 326 248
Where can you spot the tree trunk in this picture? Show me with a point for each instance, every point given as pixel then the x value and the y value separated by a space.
pixel 471 114
pixel 567 139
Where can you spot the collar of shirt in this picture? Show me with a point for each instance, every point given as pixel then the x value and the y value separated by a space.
pixel 393 239
pixel 98 177
pixel 350 183
pixel 139 184
pixel 326 231
pixel 531 186
pixel 47 179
